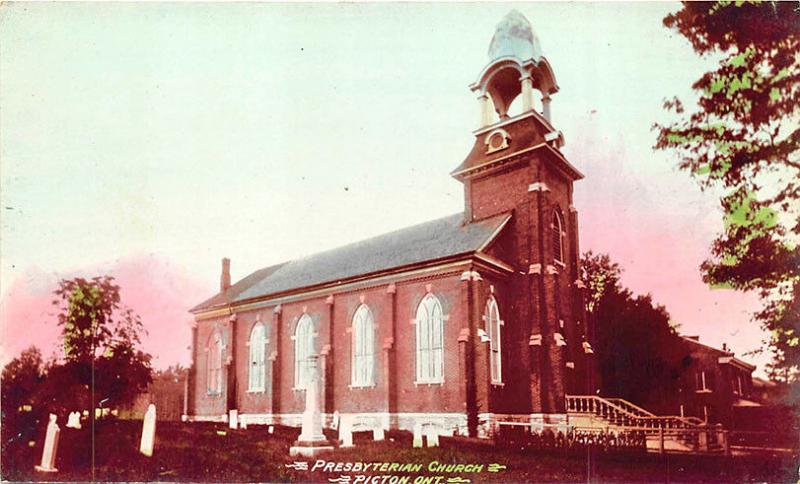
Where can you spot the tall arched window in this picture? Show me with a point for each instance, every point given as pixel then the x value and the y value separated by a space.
pixel 258 363
pixel 214 350
pixel 430 340
pixel 558 237
pixel 493 324
pixel 303 349
pixel 363 347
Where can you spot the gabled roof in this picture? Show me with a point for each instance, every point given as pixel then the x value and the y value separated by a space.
pixel 429 241
pixel 723 357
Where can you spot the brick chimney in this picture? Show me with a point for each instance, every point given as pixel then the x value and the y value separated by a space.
pixel 225 278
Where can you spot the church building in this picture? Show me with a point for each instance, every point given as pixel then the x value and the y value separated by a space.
pixel 460 322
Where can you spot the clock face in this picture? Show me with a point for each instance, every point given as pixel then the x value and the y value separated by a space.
pixel 497 140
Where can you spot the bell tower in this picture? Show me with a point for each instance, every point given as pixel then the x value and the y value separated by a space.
pixel 516 166
pixel 516 67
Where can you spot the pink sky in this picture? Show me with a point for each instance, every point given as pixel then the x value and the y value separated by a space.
pixel 156 289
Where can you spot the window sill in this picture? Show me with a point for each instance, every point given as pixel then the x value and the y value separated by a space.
pixel 428 383
pixel 256 390
pixel 705 390
pixel 498 384
pixel 213 394
pixel 560 264
pixel 356 387
pixel 298 389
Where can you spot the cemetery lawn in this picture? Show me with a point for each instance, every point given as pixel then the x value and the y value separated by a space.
pixel 213 453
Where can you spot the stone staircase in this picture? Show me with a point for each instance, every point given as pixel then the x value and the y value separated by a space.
pixel 663 433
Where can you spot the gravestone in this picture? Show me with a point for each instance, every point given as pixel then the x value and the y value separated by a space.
pixel 335 423
pixel 311 441
pixel 346 433
pixel 377 433
pixel 233 419
pixel 432 435
pixel 50 447
pixel 243 423
pixel 271 429
pixel 74 420
pixel 417 435
pixel 148 431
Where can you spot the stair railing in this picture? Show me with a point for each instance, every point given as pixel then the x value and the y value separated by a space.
pixel 611 411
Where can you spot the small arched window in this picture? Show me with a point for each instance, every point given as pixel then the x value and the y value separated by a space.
pixel 363 347
pixel 258 361
pixel 557 228
pixel 214 350
pixel 303 350
pixel 493 323
pixel 430 341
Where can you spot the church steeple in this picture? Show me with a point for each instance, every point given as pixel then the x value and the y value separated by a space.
pixel 516 67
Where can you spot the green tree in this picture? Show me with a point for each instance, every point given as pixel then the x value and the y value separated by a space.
pixel 641 357
pixel 743 138
pixel 21 380
pixel 100 339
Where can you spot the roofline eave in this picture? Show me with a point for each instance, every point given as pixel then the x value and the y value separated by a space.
pixel 457 259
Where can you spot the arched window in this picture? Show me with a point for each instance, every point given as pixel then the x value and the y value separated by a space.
pixel 303 349
pixel 493 324
pixel 430 339
pixel 363 347
pixel 258 363
pixel 214 351
pixel 558 237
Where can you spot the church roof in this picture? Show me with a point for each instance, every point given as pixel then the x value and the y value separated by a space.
pixel 429 241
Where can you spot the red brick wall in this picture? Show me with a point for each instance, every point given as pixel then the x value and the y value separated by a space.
pixel 341 396
pixel 204 403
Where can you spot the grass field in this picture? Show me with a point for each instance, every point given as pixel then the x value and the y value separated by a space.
pixel 213 453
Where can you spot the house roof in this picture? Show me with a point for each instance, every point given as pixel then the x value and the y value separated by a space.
pixel 429 241
pixel 724 357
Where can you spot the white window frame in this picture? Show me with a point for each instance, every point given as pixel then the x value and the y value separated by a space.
pixel 557 227
pixel 214 363
pixel 303 350
pixel 701 378
pixel 430 341
pixel 257 368
pixel 493 325
pixel 362 372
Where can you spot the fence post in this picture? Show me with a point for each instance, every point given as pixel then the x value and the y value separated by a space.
pixel 660 440
pixel 726 445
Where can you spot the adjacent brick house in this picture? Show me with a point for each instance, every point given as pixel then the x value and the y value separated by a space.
pixel 715 384
pixel 458 322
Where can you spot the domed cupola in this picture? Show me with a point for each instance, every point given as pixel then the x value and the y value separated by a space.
pixel 514 37
pixel 516 67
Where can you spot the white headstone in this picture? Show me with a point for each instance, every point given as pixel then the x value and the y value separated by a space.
pixel 243 423
pixel 74 420
pixel 418 435
pixel 50 447
pixel 335 423
pixel 312 416
pixel 271 429
pixel 432 435
pixel 377 433
pixel 233 419
pixel 346 433
pixel 312 441
pixel 148 431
